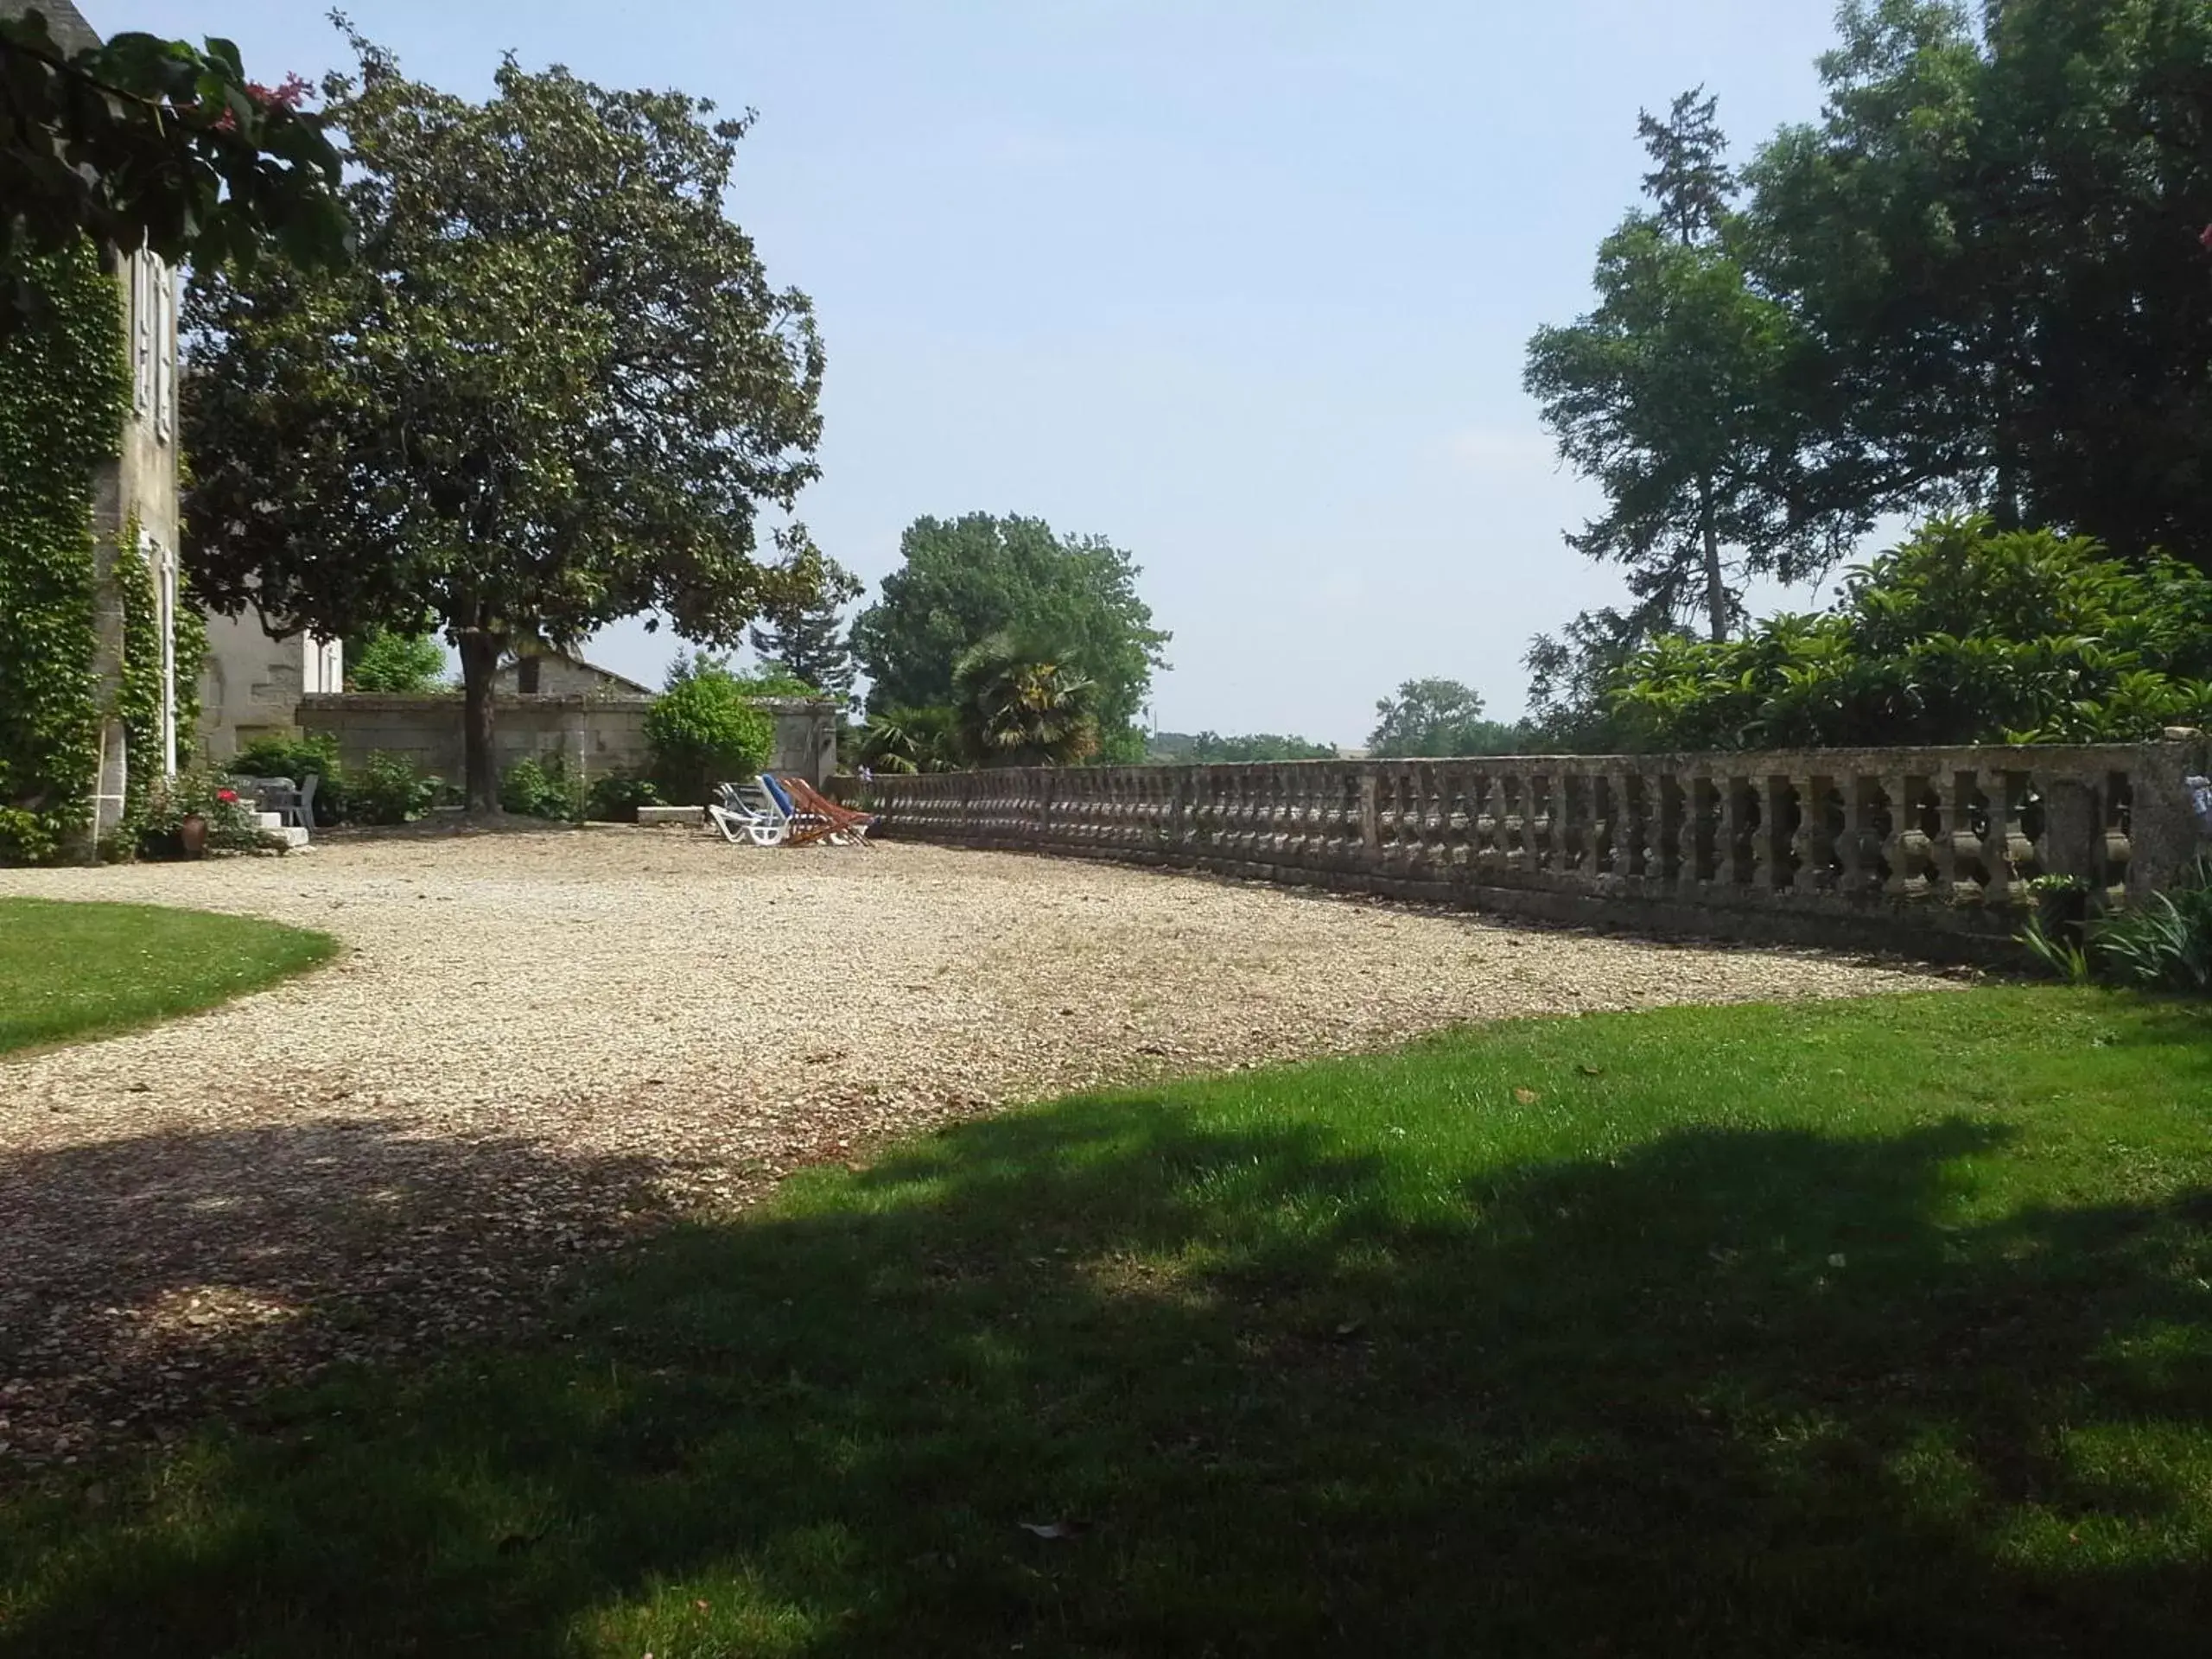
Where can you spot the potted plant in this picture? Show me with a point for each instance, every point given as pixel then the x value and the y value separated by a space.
pixel 195 812
pixel 191 835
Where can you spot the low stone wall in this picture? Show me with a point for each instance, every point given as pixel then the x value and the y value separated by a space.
pixel 1925 850
pixel 594 735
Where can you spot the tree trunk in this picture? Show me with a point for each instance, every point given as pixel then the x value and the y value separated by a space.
pixel 1716 584
pixel 479 661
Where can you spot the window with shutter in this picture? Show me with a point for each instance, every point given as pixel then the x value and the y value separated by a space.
pixel 164 352
pixel 141 331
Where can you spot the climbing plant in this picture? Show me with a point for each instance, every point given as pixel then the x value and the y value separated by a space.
pixel 138 700
pixel 64 391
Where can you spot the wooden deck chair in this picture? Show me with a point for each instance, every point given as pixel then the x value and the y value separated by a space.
pixel 807 827
pixel 851 824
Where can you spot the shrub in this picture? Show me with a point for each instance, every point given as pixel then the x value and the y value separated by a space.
pixel 397 665
pixel 294 757
pixel 2165 946
pixel 540 788
pixel 615 798
pixel 391 789
pixel 1965 634
pixel 703 731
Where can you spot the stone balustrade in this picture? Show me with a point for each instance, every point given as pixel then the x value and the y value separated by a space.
pixel 1926 849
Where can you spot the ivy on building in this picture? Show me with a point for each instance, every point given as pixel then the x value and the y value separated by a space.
pixel 137 701
pixel 64 394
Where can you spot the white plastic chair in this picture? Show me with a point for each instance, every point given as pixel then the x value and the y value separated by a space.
pixel 756 815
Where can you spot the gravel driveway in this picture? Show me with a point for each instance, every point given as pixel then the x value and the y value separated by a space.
pixel 536 1043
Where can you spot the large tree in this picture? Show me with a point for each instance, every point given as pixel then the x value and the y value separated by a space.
pixel 964 580
pixel 139 142
pixel 1992 234
pixel 553 389
pixel 1673 394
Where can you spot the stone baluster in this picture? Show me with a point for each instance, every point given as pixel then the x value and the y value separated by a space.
pixel 1598 843
pixel 1620 822
pixel 1765 834
pixel 1486 834
pixel 1952 822
pixel 1810 842
pixel 1906 845
pixel 1691 830
pixel 1857 848
pixel 2004 846
pixel 1659 816
pixel 1562 862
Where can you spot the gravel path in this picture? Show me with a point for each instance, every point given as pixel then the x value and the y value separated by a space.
pixel 537 1044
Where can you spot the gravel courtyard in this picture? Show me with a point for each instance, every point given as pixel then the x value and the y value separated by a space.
pixel 537 1044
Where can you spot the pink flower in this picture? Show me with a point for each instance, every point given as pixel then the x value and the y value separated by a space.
pixel 288 94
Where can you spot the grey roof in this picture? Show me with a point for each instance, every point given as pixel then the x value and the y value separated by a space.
pixel 63 20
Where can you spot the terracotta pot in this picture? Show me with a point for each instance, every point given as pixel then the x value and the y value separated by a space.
pixel 192 836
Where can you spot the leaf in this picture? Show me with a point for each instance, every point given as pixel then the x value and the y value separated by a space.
pixel 1526 1096
pixel 1589 1070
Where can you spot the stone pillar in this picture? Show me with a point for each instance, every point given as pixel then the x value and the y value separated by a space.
pixel 2165 836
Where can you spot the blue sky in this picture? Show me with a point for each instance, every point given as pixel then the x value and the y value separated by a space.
pixel 1243 284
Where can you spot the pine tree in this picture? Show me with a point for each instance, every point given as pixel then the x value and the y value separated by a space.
pixel 1690 182
pixel 1673 396
pixel 807 639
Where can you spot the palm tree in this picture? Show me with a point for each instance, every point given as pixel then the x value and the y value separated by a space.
pixel 902 741
pixel 1019 705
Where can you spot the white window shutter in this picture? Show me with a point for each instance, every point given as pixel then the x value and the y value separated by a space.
pixel 164 352
pixel 142 326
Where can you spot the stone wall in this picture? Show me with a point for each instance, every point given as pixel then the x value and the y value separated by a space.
pixel 250 684
pixel 594 735
pixel 562 675
pixel 1926 851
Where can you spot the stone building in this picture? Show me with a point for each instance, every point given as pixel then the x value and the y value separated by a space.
pixel 557 674
pixel 250 684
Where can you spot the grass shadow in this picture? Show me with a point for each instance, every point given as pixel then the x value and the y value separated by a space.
pixel 1287 1383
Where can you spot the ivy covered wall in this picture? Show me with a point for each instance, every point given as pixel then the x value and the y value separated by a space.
pixel 64 394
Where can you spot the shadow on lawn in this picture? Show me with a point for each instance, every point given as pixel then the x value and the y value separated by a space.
pixel 144 1279
pixel 1735 1392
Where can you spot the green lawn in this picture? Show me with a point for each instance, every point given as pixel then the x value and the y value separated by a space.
pixel 1874 1328
pixel 86 970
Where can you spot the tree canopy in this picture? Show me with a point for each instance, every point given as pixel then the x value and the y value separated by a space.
pixel 1209 748
pixel 964 580
pixel 1981 281
pixel 1994 237
pixel 555 389
pixel 1435 717
pixel 139 142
